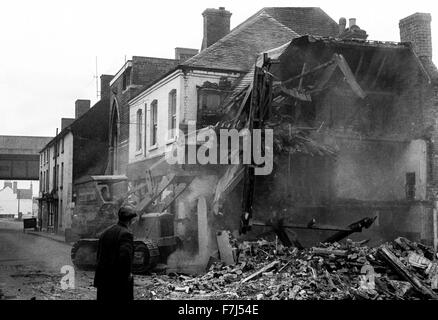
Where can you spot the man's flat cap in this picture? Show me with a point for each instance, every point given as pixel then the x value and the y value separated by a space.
pixel 127 213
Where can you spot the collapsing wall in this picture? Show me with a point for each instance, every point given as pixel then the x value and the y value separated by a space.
pixel 375 115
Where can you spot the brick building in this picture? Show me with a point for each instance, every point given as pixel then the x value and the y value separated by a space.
pixel 131 79
pixel 79 149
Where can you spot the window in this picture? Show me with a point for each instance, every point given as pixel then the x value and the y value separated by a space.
pixel 62 174
pixel 62 145
pixel 126 78
pixel 145 126
pixel 47 180
pixel 139 125
pixel 172 113
pixel 54 177
pixel 154 109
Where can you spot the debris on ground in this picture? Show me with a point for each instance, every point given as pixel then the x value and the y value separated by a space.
pixel 401 270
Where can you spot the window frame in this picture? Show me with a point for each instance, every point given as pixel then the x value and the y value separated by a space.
pixel 138 130
pixel 172 112
pixel 154 124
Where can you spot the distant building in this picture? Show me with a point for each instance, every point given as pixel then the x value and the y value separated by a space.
pixel 80 149
pixel 14 200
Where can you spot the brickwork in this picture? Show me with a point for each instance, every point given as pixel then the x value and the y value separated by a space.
pixel 416 29
pixel 216 25
pixel 144 72
pixel 81 106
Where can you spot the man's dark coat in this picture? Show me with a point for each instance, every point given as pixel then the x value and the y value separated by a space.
pixel 113 278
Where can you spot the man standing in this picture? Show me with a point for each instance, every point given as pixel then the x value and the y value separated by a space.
pixel 113 278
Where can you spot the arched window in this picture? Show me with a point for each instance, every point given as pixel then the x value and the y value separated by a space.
pixel 154 122
pixel 172 113
pixel 114 140
pixel 139 125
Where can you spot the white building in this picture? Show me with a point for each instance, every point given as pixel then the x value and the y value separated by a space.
pixel 14 200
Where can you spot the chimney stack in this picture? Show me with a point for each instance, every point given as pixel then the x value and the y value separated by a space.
pixel 65 122
pixel 183 54
pixel 105 80
pixel 416 29
pixel 342 25
pixel 81 106
pixel 216 25
pixel 351 22
pixel 14 186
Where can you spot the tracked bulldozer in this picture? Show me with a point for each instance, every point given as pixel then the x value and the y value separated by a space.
pixel 98 199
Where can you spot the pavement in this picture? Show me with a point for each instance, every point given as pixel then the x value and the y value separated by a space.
pixel 11 224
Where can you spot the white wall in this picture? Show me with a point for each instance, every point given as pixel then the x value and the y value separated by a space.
pixel 9 203
pixel 64 193
pixel 186 105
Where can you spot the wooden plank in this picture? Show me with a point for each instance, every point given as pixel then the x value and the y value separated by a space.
pixel 317 68
pixel 224 246
pixel 349 76
pixel 242 105
pixel 328 252
pixel 403 272
pixel 359 65
pixel 259 272
pixel 149 198
pixel 379 71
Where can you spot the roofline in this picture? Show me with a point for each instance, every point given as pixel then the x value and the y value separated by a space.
pixel 67 129
pixel 121 70
pixel 182 68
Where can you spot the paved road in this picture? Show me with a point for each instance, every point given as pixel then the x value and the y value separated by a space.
pixel 30 267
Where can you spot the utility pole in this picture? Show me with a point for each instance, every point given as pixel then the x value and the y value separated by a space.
pixel 96 76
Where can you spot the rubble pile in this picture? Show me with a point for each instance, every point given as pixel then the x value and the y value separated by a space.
pixel 400 270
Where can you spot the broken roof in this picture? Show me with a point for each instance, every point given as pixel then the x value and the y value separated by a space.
pixel 268 28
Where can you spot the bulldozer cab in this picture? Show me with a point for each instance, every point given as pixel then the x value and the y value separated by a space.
pixel 97 200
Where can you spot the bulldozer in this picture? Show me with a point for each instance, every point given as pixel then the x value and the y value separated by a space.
pixel 98 199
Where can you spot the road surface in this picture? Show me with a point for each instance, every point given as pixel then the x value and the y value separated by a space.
pixel 30 267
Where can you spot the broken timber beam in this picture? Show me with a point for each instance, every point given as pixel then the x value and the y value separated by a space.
pixel 259 272
pixel 402 271
pixel 328 252
pixel 321 66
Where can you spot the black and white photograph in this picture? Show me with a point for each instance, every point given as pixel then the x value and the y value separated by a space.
pixel 218 151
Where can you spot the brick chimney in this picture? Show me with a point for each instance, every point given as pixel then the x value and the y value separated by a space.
pixel 416 29
pixel 183 54
pixel 14 188
pixel 216 25
pixel 105 80
pixel 342 25
pixel 65 122
pixel 81 106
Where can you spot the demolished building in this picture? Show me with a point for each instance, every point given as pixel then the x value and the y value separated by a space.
pixel 354 129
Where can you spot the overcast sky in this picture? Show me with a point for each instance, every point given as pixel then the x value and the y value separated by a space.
pixel 48 48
